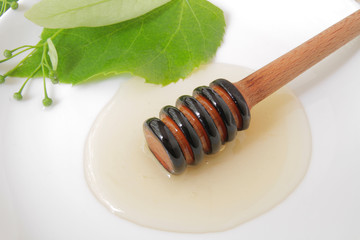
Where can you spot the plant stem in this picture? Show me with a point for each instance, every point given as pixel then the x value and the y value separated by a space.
pixel 21 62
pixel 6 59
pixel 26 81
pixel 28 46
pixel 3 7
pixel 43 68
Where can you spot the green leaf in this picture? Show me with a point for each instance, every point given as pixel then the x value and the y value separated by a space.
pixel 162 46
pixel 52 54
pixel 88 13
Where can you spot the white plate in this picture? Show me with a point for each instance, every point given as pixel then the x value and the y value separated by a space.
pixel 43 193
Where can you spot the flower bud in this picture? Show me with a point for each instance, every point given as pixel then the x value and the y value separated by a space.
pixel 14 5
pixel 18 96
pixel 7 53
pixel 47 101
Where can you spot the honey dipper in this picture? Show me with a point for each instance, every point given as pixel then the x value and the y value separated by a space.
pixel 212 116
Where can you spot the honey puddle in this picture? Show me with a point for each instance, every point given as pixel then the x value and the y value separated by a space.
pixel 252 174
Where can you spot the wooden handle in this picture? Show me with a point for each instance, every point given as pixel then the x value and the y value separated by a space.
pixel 276 74
pixel 202 123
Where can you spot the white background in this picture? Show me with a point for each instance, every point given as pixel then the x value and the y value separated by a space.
pixel 43 193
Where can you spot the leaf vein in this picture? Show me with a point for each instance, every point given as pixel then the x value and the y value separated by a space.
pixel 78 8
pixel 135 38
pixel 199 24
pixel 170 39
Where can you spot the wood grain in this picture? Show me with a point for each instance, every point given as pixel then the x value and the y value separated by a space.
pixel 276 74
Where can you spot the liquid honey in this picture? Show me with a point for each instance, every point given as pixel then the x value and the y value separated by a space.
pixel 248 177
